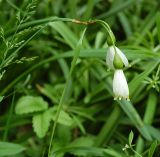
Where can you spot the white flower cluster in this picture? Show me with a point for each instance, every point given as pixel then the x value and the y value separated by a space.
pixel 116 60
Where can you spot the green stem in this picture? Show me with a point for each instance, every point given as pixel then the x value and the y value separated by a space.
pixel 107 129
pixel 45 21
pixel 9 119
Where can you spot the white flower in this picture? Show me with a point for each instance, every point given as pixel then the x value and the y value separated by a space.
pixel 120 86
pixel 111 54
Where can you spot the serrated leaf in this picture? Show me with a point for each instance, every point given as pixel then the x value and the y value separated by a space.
pixel 64 118
pixel 29 104
pixel 130 138
pixel 8 149
pixel 41 123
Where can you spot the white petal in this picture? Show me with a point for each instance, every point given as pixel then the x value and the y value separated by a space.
pixel 110 57
pixel 120 86
pixel 123 57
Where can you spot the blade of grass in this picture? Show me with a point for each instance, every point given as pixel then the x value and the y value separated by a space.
pixel 158 25
pixel 67 34
pixel 117 9
pixel 125 23
pixel 148 118
pixel 135 118
pixel 109 126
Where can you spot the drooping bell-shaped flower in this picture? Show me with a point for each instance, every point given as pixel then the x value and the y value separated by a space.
pixel 111 51
pixel 120 86
pixel 116 60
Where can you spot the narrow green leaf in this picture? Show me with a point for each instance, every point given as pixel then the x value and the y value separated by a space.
pixel 135 118
pixel 136 82
pixel 9 149
pixel 125 23
pixel 118 8
pixel 130 138
pixel 158 25
pixel 1 98
pixel 155 133
pixel 93 151
pixel 152 149
pixel 67 34
pixel 82 142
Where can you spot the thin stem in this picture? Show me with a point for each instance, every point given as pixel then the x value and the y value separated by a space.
pixel 45 21
pixel 9 119
pixel 138 155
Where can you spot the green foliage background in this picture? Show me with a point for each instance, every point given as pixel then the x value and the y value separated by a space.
pixel 55 88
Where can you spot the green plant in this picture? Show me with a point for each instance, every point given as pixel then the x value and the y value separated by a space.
pixel 56 90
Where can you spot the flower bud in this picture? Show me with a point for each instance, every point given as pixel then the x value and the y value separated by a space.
pixel 115 58
pixel 117 62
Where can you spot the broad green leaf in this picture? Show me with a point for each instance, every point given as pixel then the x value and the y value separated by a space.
pixel 64 118
pixel 9 149
pixel 41 123
pixel 29 104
